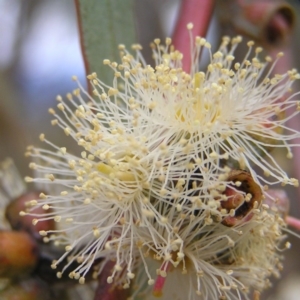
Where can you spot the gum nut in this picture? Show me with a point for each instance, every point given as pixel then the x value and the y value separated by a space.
pixel 18 253
pixel 25 223
pixel 26 290
pixel 237 191
pixel 274 20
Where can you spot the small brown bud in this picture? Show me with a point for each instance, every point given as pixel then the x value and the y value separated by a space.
pixel 18 253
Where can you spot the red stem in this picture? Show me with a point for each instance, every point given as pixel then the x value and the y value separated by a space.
pixel 81 41
pixel 160 280
pixel 197 12
pixel 293 222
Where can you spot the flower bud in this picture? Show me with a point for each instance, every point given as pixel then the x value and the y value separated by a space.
pixel 18 253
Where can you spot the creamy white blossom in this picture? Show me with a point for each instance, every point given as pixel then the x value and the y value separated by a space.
pixel 219 262
pixel 157 174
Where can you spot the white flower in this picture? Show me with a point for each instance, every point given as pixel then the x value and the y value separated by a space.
pixel 218 262
pixel 156 176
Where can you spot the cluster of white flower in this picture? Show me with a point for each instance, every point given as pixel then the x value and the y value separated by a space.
pixel 166 175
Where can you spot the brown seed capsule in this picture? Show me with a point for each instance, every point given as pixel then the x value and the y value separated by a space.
pixel 25 223
pixel 269 22
pixel 274 21
pixel 18 253
pixel 243 194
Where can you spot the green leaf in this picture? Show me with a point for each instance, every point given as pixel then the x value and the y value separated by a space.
pixel 104 24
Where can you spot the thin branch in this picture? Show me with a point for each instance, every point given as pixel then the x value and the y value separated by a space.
pixel 197 12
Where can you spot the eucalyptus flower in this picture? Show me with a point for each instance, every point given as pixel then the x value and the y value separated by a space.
pixel 219 262
pixel 158 180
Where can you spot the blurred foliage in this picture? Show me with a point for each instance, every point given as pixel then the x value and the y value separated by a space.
pixel 104 25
